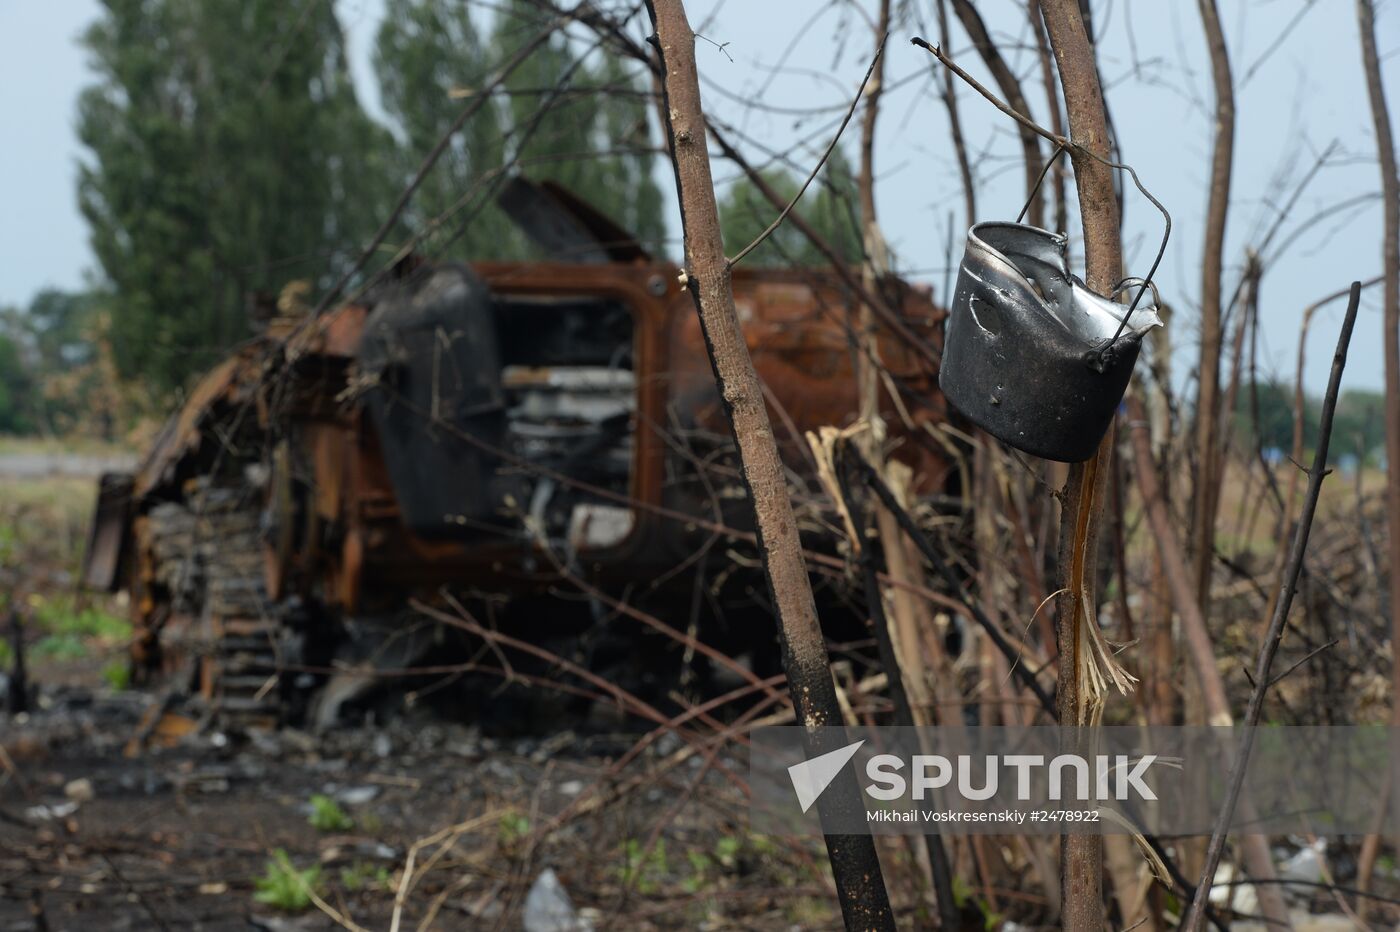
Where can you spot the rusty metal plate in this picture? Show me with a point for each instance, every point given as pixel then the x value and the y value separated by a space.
pixel 106 546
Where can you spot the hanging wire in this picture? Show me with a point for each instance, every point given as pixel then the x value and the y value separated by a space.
pixel 1099 359
pixel 1035 189
pixel 1105 353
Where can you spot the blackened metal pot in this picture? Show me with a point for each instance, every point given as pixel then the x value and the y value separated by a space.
pixel 1029 355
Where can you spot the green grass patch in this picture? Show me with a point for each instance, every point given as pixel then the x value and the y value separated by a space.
pixel 643 870
pixel 327 816
pixel 70 628
pixel 362 875
pixel 44 522
pixel 283 886
pixel 511 828
pixel 67 614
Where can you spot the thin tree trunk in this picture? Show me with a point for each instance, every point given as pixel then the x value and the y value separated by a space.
pixel 1390 335
pixel 906 615
pixel 1159 685
pixel 1208 397
pixel 1390 327
pixel 950 100
pixel 1246 310
pixel 1204 492
pixel 1081 868
pixel 1010 89
pixel 1052 105
pixel 1290 495
pixel 871 117
pixel 855 866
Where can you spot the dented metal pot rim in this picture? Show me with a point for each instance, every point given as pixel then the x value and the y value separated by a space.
pixel 1029 266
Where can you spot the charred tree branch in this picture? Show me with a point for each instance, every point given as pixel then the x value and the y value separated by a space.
pixel 1297 549
pixel 1390 338
pixel 899 696
pixel 855 865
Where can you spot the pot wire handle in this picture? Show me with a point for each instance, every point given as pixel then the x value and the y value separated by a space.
pixel 1099 359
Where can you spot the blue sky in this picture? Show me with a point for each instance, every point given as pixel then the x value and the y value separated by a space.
pixel 1294 97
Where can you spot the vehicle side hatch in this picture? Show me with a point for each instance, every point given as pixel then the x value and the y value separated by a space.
pixel 430 365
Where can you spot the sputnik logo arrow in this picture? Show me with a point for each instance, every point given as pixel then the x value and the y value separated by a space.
pixel 811 777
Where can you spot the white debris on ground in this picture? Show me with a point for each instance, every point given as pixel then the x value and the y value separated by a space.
pixel 549 909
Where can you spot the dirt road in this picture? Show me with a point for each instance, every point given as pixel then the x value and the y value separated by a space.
pixel 41 464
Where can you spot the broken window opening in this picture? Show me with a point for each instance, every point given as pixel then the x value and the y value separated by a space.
pixel 571 403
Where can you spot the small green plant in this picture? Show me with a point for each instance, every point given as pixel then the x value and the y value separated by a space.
pixel 68 627
pixel 60 647
pixel 640 870
pixel 762 845
pixel 964 894
pixel 961 892
pixel 117 674
pixel 706 867
pixel 512 827
pixel 63 615
pixel 327 816
pixel 727 851
pixel 699 877
pixel 362 874
pixel 283 886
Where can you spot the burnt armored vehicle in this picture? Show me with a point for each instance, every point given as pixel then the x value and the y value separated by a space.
pixel 522 441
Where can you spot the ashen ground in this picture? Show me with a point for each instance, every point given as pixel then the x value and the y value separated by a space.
pixel 178 836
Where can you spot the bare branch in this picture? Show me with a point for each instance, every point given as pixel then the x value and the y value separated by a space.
pixel 854 863
pixel 1297 549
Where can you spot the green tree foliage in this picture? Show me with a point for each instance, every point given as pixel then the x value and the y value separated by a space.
pixel 829 206
pixel 1358 427
pixel 57 375
pixel 1359 424
pixel 429 58
pixel 1275 426
pixel 18 389
pixel 592 137
pixel 582 123
pixel 61 325
pixel 229 155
